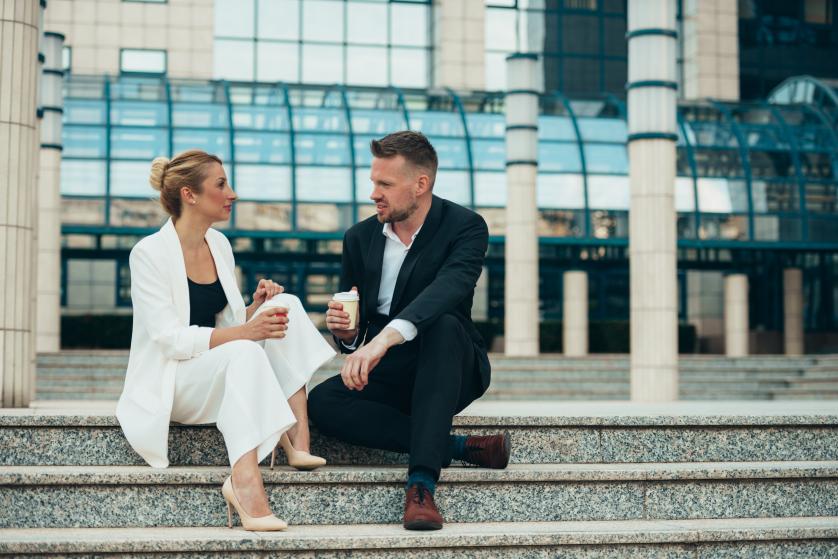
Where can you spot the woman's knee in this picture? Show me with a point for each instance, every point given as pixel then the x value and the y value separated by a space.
pixel 286 300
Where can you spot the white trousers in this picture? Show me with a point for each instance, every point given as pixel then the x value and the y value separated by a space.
pixel 243 386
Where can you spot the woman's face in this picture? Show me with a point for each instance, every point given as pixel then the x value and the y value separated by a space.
pixel 215 201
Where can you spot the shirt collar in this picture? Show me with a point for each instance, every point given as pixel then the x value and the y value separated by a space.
pixel 388 232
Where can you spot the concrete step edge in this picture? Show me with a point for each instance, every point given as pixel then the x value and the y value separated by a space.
pixel 515 473
pixel 393 536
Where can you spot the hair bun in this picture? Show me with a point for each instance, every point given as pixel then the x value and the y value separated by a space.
pixel 158 172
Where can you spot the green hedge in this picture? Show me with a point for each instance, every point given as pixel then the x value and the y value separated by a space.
pixel 96 331
pixel 606 336
pixel 114 332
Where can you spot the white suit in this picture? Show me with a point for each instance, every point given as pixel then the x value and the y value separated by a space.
pixel 172 374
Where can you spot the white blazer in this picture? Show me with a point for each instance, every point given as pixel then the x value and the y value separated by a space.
pixel 162 336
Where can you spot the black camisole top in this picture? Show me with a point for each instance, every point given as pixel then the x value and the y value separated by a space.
pixel 205 301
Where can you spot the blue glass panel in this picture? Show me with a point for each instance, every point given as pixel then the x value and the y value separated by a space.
pixel 764 137
pixel 603 129
pixel 319 184
pixel 262 147
pixel 208 140
pixel 83 178
pixel 363 186
pixel 199 115
pixel 486 125
pixel 718 195
pixel 608 192
pixel 263 182
pixel 606 158
pixel 379 122
pixel 83 111
pixel 489 154
pixel 560 191
pixel 138 88
pixel 712 134
pixel 322 149
pixel 560 157
pixel 684 194
pixel 260 117
pixel 320 119
pixel 436 123
pixel 454 186
pixel 363 155
pixel 138 113
pixel 83 141
pixel 452 153
pixel 556 128
pixel 490 189
pixel 139 143
pixel 130 179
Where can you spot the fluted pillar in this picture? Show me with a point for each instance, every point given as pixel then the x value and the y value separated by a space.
pixel 575 313
pixel 652 242
pixel 521 250
pixel 19 21
pixel 49 198
pixel 793 311
pixel 736 315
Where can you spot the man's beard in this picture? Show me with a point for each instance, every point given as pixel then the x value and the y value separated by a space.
pixel 400 215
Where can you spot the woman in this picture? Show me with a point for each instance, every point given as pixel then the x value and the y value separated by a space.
pixel 198 355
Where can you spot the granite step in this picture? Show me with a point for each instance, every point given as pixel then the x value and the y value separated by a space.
pixel 138 496
pixel 542 432
pixel 764 538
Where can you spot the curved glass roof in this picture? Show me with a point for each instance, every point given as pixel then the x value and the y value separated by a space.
pixel 298 156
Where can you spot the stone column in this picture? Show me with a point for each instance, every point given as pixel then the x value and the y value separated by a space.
pixel 652 242
pixel 711 49
pixel 459 49
pixel 521 250
pixel 575 316
pixel 793 311
pixel 736 315
pixel 49 198
pixel 19 35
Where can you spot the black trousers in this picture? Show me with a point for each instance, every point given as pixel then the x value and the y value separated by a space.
pixel 410 401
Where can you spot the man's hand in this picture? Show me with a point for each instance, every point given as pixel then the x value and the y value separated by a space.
pixel 358 366
pixel 337 321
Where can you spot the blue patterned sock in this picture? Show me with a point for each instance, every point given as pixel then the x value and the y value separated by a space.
pixel 422 476
pixel 458 447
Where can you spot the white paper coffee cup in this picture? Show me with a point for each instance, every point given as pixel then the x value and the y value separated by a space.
pixel 349 300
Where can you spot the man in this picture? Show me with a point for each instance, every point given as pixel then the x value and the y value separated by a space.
pixel 415 358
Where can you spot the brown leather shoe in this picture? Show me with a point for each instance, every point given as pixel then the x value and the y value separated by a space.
pixel 489 451
pixel 419 509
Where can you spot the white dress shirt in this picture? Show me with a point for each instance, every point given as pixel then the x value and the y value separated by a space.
pixel 395 251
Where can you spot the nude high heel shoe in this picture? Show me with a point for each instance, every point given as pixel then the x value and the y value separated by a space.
pixel 269 523
pixel 297 458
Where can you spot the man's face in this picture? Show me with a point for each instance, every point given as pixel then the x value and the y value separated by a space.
pixel 394 185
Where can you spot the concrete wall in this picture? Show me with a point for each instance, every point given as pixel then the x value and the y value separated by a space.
pixel 459 31
pixel 711 49
pixel 96 30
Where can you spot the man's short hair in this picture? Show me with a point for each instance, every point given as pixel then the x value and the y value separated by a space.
pixel 413 146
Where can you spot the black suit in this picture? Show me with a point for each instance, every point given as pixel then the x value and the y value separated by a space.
pixel 418 386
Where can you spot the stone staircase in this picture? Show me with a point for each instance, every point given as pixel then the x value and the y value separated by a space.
pixel 85 375
pixel 588 479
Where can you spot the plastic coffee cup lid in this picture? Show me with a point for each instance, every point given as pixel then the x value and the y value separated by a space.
pixel 346 296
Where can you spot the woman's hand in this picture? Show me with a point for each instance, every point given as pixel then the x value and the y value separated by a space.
pixel 264 291
pixel 270 324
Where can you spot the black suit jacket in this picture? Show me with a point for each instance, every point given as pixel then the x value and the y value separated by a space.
pixel 438 275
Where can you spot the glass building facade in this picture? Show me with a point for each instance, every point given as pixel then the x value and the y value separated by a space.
pixel 757 183
pixel 367 42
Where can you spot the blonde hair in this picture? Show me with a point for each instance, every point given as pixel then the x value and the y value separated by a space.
pixel 186 169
